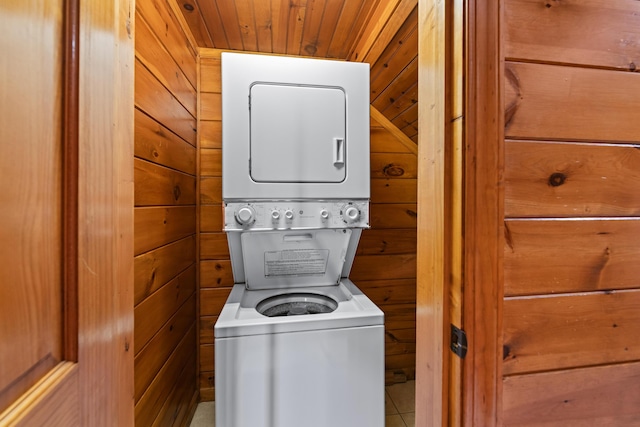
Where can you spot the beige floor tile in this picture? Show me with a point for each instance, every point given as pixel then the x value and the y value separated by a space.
pixel 389 407
pixel 205 415
pixel 409 419
pixel 394 421
pixel 403 396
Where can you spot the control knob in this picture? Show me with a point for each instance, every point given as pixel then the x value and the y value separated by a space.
pixel 275 215
pixel 288 214
pixel 351 214
pixel 324 214
pixel 246 215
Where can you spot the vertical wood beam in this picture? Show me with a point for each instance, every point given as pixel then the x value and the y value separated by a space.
pixel 432 266
pixel 484 212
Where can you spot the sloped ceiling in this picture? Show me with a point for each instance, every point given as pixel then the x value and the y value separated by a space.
pixel 383 33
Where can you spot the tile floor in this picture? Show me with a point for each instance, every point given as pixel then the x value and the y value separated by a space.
pixel 398 406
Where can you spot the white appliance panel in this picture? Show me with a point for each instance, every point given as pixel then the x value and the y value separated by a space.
pixel 294 168
pixel 281 259
pixel 297 133
pixel 314 379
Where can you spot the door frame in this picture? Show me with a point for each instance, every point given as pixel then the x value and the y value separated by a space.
pixel 460 205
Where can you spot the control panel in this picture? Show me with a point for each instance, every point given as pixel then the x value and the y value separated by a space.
pixel 284 215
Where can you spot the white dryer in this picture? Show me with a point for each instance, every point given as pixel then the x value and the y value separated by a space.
pixel 297 343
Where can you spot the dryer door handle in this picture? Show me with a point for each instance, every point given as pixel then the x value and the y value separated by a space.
pixel 338 151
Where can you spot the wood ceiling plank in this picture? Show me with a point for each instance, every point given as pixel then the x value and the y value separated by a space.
pixel 230 23
pixel 312 26
pixel 262 17
pixel 279 20
pixel 395 22
pixel 213 19
pixel 404 101
pixel 375 25
pixel 295 25
pixel 397 55
pixel 366 13
pixel 406 78
pixel 339 46
pixel 332 12
pixel 247 25
pixel 196 23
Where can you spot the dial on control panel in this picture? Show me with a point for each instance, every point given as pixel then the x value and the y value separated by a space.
pixel 351 214
pixel 245 215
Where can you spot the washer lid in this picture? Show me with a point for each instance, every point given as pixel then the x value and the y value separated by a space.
pixel 283 259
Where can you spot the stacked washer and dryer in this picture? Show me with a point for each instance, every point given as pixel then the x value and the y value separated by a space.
pixel 297 343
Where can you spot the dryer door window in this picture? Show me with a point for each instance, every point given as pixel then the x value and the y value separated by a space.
pixel 297 133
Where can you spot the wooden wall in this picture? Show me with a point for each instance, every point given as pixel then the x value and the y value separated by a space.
pixel 572 213
pixel 165 218
pixel 385 263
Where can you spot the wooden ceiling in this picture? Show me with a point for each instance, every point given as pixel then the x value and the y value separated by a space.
pixel 383 33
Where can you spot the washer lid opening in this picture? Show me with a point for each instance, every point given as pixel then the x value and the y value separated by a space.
pixel 296 304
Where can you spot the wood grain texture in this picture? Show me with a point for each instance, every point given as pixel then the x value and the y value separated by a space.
pixel 159 186
pixel 165 184
pixel 31 196
pixel 156 101
pixel 390 291
pixel 151 402
pixel 393 165
pixel 211 218
pixel 155 268
pixel 211 190
pixel 210 135
pixel 394 191
pixel 216 273
pixel 387 242
pixel 212 300
pixel 157 144
pixel 210 162
pixel 394 215
pixel 379 267
pixel 53 400
pixel 206 329
pixel 166 27
pixel 483 215
pixel 597 396
pixel 556 256
pixel 210 77
pixel 432 265
pixel 150 359
pixel 384 142
pixel 570 103
pixel 561 32
pixel 151 53
pixel 214 246
pixel 157 226
pixel 210 106
pixel 568 331
pixel 571 180
pixel 156 310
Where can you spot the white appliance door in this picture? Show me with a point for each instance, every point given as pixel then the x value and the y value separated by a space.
pixel 297 133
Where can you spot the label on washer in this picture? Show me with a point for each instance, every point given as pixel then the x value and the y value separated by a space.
pixel 296 262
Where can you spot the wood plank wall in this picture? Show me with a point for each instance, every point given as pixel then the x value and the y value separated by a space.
pixel 165 218
pixel 385 264
pixel 572 213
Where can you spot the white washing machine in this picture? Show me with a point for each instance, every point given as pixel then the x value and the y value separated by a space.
pixel 297 343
